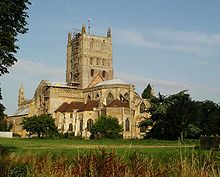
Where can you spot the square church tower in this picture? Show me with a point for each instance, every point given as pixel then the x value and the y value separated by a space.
pixel 89 57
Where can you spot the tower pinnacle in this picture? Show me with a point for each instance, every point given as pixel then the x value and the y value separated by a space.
pixel 21 97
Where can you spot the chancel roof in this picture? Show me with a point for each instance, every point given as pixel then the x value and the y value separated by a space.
pixel 22 112
pixel 111 82
pixel 79 106
pixel 59 84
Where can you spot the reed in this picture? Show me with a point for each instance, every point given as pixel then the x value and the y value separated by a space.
pixel 106 163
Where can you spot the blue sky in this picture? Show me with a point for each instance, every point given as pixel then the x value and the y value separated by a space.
pixel 172 44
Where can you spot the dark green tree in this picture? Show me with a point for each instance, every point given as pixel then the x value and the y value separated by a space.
pixel 13 15
pixel 106 127
pixel 147 93
pixel 208 118
pixel 172 115
pixel 41 125
pixel 4 125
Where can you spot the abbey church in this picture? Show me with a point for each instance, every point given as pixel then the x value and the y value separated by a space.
pixel 90 91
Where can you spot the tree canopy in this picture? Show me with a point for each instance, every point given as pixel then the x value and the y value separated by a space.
pixel 106 127
pixel 40 125
pixel 3 122
pixel 147 93
pixel 178 116
pixel 13 15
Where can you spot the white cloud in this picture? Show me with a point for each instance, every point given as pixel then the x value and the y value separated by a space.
pixel 192 42
pixel 24 68
pixel 194 37
pixel 168 86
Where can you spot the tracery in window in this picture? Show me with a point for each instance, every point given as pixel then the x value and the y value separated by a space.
pixel 89 124
pixel 103 74
pixel 142 108
pixel 92 72
pixel 70 127
pixel 109 98
pixel 127 125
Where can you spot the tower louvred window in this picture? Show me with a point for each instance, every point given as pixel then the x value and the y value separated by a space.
pixel 92 72
pixel 103 73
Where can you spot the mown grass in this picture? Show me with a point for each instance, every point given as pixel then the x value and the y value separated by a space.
pixel 69 146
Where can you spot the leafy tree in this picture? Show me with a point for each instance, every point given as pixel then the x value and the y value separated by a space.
pixel 13 16
pixel 3 122
pixel 193 132
pixel 40 125
pixel 147 93
pixel 208 118
pixel 172 115
pixel 106 127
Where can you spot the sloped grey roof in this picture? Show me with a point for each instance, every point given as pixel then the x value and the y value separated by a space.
pixel 111 82
pixel 53 83
pixel 21 112
pixel 59 84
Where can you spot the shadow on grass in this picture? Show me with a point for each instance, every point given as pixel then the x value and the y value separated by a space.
pixel 6 149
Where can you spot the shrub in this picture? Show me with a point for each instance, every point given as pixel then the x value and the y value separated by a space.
pixel 106 127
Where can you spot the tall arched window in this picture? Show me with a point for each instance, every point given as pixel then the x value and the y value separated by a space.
pixel 92 72
pixel 143 129
pixel 103 62
pixel 88 98
pixel 89 124
pixel 109 98
pixel 71 127
pixel 127 125
pixel 142 108
pixel 97 96
pixel 81 125
pixel 126 96
pixel 103 74
pixel 91 61
pixel 97 61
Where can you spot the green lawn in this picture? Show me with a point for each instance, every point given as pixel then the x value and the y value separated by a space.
pixel 155 148
pixel 74 147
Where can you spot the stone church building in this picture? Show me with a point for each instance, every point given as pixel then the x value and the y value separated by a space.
pixel 90 90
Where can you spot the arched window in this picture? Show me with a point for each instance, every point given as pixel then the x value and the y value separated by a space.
pixel 97 96
pixel 89 124
pixel 71 127
pixel 142 108
pixel 103 62
pixel 143 129
pixel 92 72
pixel 71 115
pixel 127 125
pixel 121 98
pixel 97 61
pixel 91 61
pixel 81 125
pixel 103 74
pixel 126 96
pixel 88 98
pixel 109 98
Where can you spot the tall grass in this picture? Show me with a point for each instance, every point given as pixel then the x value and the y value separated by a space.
pixel 106 163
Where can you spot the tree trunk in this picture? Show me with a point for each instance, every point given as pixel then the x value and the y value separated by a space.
pixel 38 134
pixel 181 136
